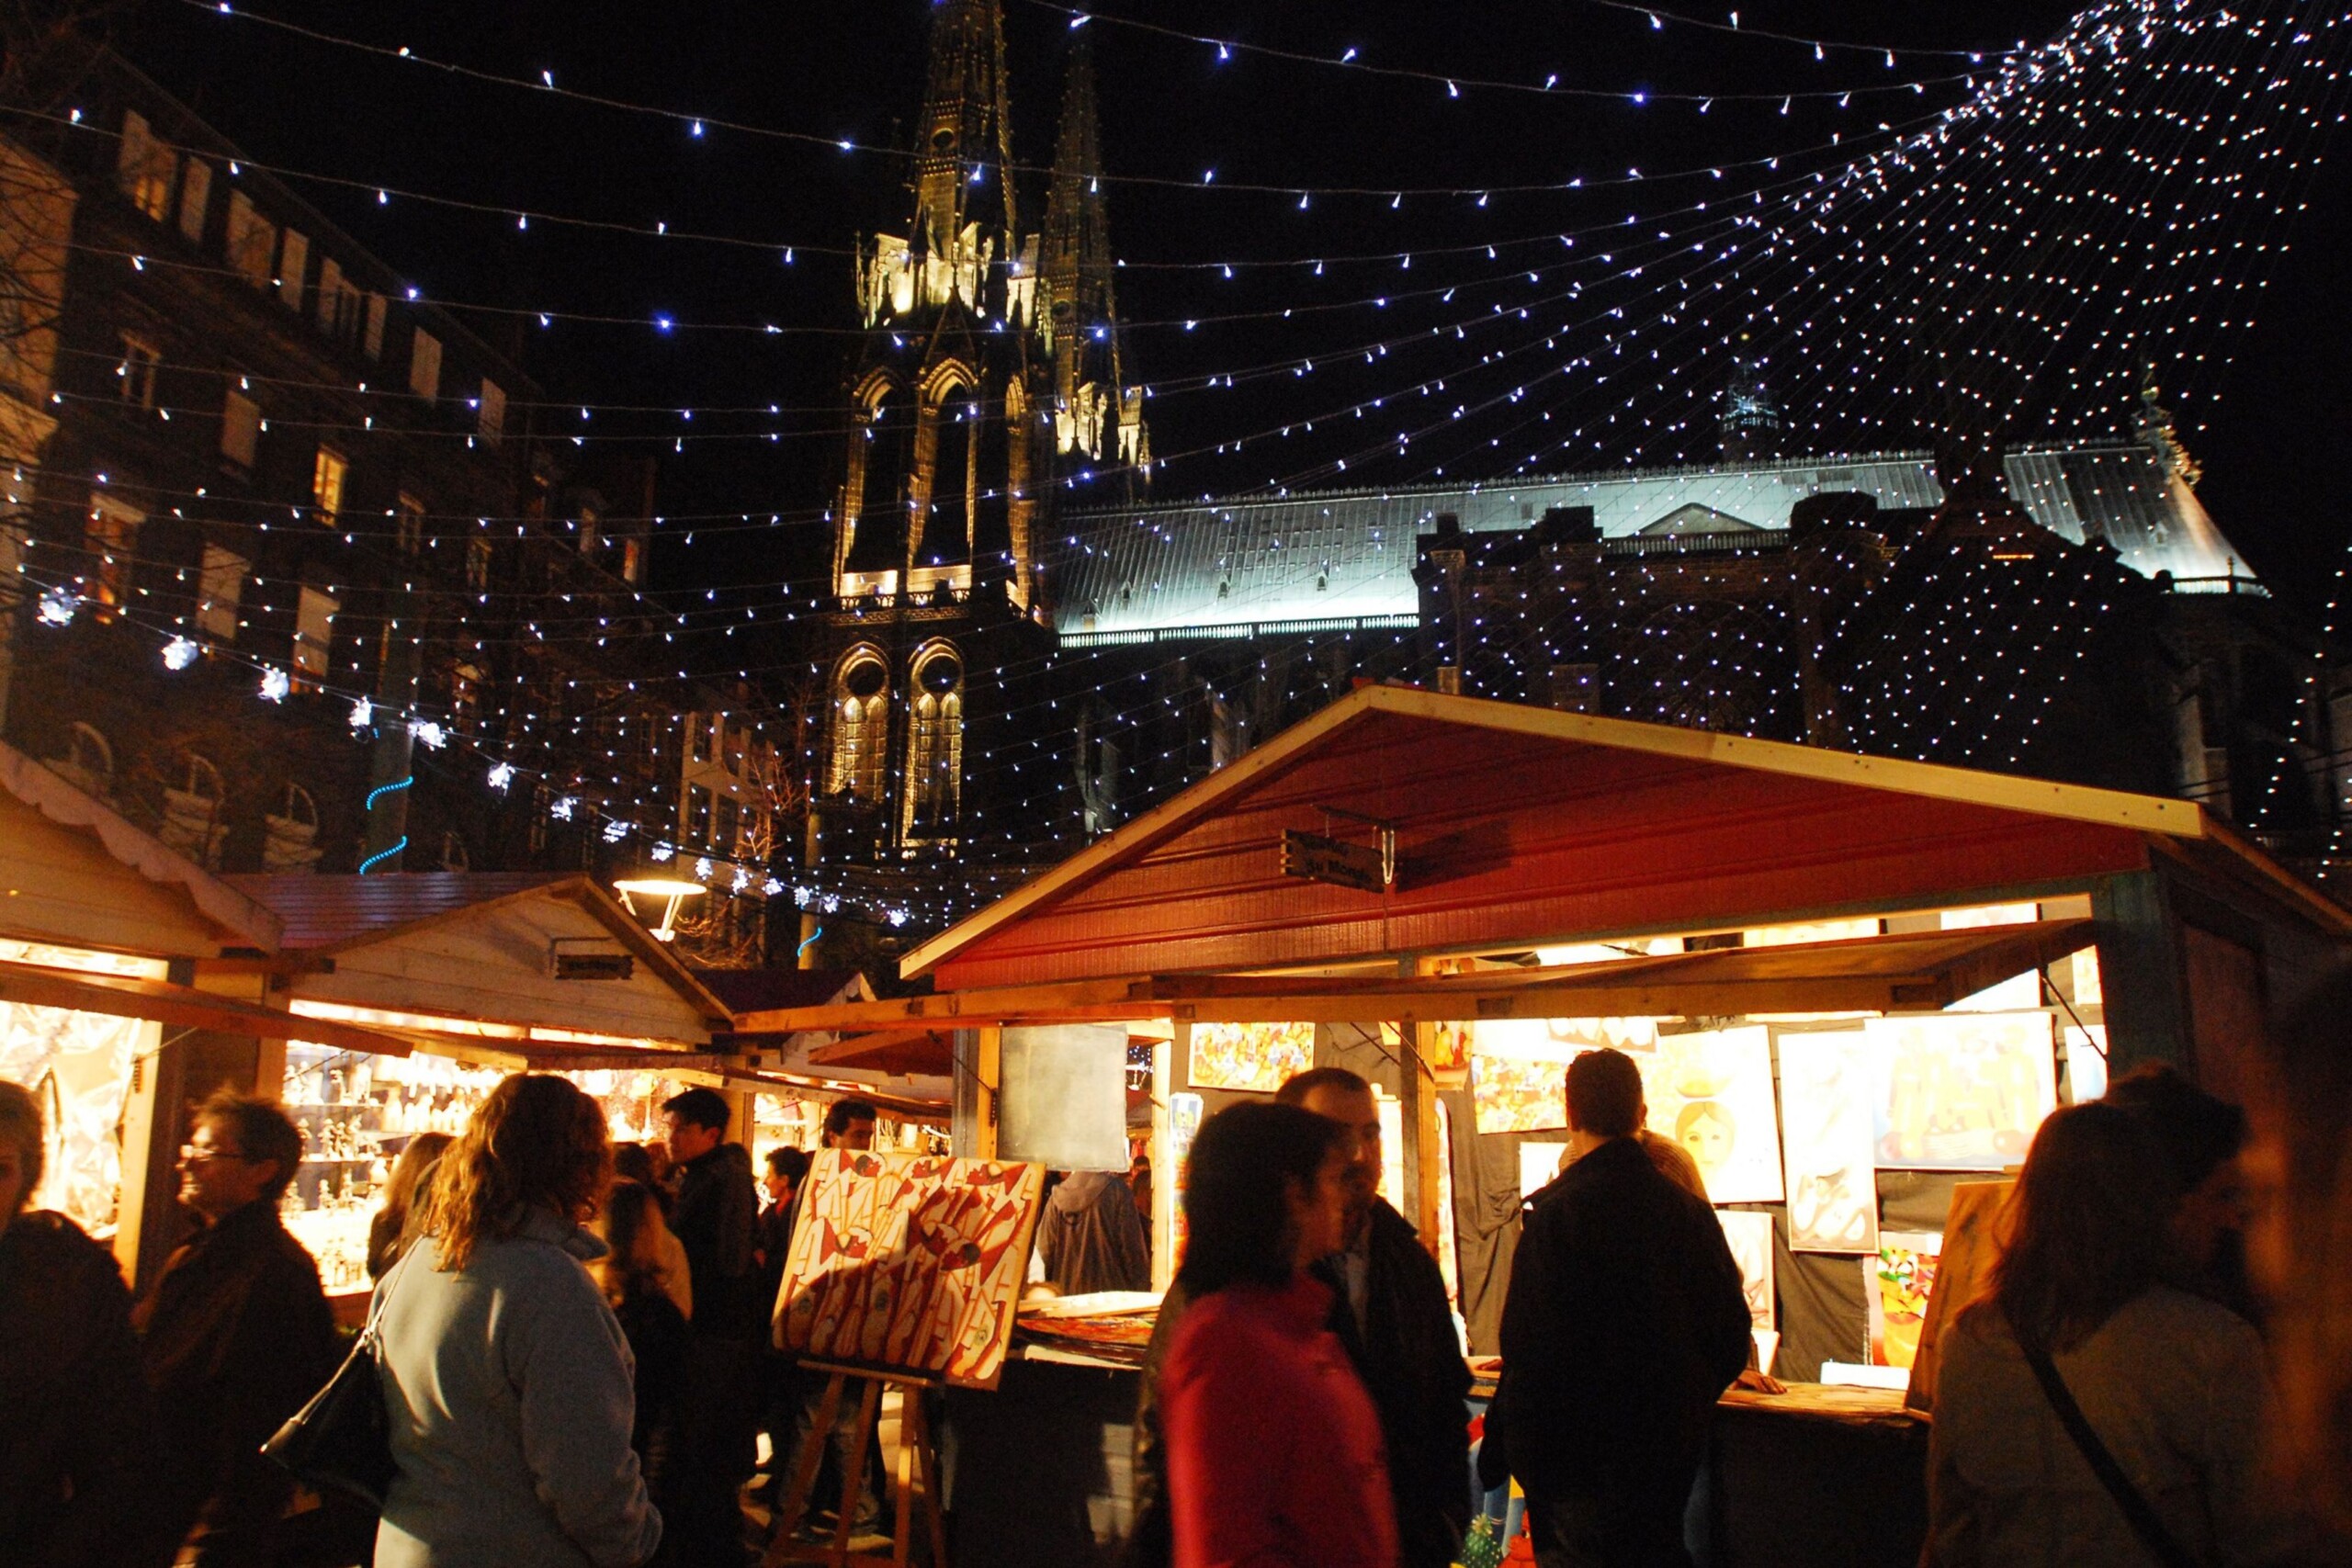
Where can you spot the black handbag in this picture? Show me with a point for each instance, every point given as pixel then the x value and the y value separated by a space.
pixel 341 1440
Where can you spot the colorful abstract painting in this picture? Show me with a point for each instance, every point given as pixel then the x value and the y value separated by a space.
pixel 1251 1058
pixel 910 1263
pixel 1897 1284
pixel 1827 1085
pixel 1961 1090
pixel 1184 1113
pixel 1518 1067
pixel 1712 1093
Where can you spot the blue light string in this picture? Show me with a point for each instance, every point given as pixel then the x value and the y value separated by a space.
pixel 373 795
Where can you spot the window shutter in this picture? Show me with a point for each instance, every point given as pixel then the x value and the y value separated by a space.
pixel 492 423
pixel 375 343
pixel 221 583
pixel 314 632
pixel 291 265
pixel 252 238
pixel 330 295
pixel 424 365
pixel 240 428
pixel 195 200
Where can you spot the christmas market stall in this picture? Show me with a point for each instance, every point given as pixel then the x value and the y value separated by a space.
pixel 1854 986
pixel 113 952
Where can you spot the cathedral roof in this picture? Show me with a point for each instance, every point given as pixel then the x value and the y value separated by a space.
pixel 1345 559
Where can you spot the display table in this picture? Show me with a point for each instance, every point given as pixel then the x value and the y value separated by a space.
pixel 1820 1475
pixel 1038 1474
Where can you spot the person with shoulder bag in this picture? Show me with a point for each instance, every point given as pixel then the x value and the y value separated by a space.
pixel 507 1381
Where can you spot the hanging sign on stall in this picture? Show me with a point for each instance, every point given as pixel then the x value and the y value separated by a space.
pixel 1314 858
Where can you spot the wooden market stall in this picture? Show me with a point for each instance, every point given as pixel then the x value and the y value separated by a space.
pixel 1453 895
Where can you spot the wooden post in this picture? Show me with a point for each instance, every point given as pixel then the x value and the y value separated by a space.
pixel 1417 1094
pixel 2140 972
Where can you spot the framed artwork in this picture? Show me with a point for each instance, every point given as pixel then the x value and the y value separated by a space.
pixel 1251 1058
pixel 1750 1235
pixel 1828 1152
pixel 1897 1285
pixel 910 1263
pixel 1961 1090
pixel 1519 1067
pixel 1712 1093
pixel 1539 1163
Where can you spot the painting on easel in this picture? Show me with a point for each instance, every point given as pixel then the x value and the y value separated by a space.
pixel 909 1264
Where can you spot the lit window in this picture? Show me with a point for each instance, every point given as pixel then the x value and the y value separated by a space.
pixel 326 484
pixel 861 722
pixel 112 541
pixel 145 168
pixel 409 524
pixel 935 746
pixel 478 563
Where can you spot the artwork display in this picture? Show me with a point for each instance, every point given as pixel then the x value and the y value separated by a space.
pixel 1960 1092
pixel 911 1263
pixel 78 1066
pixel 1971 1244
pixel 1713 1094
pixel 1251 1058
pixel 1896 1287
pixel 1538 1163
pixel 1519 1067
pixel 1827 1085
pixel 1750 1235
pixel 1184 1113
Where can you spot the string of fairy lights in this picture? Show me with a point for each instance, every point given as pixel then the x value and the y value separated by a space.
pixel 1831 346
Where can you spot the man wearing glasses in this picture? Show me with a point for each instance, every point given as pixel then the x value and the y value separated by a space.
pixel 237 1335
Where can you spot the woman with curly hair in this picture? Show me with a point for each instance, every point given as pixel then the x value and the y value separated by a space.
pixel 507 1379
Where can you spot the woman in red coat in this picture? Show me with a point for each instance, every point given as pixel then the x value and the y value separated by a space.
pixel 1274 1457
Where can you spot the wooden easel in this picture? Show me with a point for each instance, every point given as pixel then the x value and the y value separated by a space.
pixel 915 1449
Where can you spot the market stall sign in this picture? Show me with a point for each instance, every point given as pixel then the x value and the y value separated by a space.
pixel 570 963
pixel 1316 858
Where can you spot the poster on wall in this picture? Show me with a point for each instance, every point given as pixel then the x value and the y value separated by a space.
pixel 1713 1094
pixel 1960 1091
pixel 1251 1058
pixel 1827 1143
pixel 1184 1113
pixel 1750 1235
pixel 1519 1067
pixel 909 1262
pixel 1897 1283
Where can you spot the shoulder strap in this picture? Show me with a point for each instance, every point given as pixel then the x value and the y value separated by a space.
pixel 2161 1542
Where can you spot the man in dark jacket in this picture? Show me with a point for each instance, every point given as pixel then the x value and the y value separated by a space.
pixel 1389 1309
pixel 714 1216
pixel 77 1447
pixel 237 1334
pixel 1624 1325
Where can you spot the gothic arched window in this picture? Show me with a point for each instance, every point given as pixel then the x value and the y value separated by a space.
pixel 935 745
pixel 861 703
pixel 947 531
pixel 887 439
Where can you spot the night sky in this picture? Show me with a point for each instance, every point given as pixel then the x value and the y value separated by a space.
pixel 2270 417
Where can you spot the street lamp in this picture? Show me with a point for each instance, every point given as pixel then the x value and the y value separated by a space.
pixel 673 892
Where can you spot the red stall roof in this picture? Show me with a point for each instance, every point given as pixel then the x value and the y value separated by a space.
pixel 1522 826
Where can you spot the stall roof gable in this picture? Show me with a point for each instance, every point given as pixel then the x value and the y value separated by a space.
pixel 331 915
pixel 222 915
pixel 1375 745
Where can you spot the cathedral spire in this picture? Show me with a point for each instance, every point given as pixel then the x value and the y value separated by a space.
pixel 1096 413
pixel 964 151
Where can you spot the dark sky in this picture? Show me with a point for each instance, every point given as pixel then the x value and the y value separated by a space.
pixel 2267 412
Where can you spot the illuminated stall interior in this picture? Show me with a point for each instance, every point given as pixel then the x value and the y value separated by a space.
pixel 1853 983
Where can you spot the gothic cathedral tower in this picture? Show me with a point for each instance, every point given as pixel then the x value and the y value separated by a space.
pixel 988 380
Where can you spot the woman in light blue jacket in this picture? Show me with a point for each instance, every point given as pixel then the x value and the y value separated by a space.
pixel 508 1381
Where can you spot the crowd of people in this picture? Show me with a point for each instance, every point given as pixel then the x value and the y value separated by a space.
pixel 571 1342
